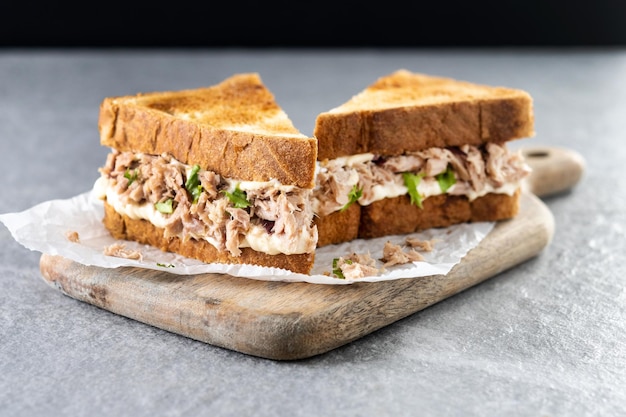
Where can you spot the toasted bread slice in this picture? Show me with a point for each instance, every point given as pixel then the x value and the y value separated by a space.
pixel 234 128
pixel 404 111
pixel 393 216
pixel 339 226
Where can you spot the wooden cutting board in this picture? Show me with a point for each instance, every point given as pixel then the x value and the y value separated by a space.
pixel 285 321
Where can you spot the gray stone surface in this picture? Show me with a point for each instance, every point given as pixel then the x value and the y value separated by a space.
pixel 547 338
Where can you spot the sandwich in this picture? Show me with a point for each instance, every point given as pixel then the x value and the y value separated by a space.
pixel 413 152
pixel 219 174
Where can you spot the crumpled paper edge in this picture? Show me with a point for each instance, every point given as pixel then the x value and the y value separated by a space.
pixel 44 228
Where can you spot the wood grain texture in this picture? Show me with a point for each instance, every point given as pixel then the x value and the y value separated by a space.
pixel 287 321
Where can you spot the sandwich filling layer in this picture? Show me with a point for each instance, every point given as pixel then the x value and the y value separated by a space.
pixel 467 170
pixel 191 203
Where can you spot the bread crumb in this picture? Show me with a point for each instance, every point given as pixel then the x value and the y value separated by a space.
pixel 119 250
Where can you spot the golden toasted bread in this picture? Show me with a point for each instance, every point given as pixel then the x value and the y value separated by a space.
pixel 234 128
pixel 393 216
pixel 404 111
pixel 339 226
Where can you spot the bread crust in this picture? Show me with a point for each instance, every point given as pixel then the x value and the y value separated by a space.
pixel 407 112
pixel 123 227
pixel 339 226
pixel 234 128
pixel 392 216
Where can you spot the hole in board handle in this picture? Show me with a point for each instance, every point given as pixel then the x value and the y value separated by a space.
pixel 537 154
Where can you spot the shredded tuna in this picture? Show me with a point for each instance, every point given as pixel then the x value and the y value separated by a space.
pixel 214 217
pixel 435 166
pixel 357 266
pixel 370 176
pixel 209 181
pixel 140 179
pixel 286 223
pixel 333 185
pixel 265 203
pixel 458 160
pixel 286 215
pixel 502 166
pixel 403 163
pixel 236 229
pixel 475 167
pixel 423 245
pixel 394 255
pixel 477 170
pixel 119 250
pixel 356 270
pixel 362 258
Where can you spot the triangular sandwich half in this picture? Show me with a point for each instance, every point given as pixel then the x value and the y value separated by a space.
pixel 413 151
pixel 219 174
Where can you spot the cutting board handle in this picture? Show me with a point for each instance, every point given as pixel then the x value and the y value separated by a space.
pixel 554 170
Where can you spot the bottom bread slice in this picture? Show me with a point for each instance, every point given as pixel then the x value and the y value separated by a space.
pixel 123 227
pixel 393 216
pixel 339 226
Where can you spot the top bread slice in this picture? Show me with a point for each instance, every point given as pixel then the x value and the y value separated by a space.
pixel 406 112
pixel 234 128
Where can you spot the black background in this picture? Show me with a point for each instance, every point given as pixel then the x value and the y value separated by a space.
pixel 314 24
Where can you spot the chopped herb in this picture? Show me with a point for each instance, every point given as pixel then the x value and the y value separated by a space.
pixel 165 207
pixel 336 270
pixel 196 192
pixel 193 183
pixel 354 194
pixel 446 179
pixel 131 177
pixel 166 265
pixel 238 198
pixel 411 181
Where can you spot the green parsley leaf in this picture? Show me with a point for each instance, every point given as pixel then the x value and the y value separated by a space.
pixel 354 194
pixel 165 207
pixel 196 192
pixel 446 179
pixel 411 181
pixel 238 198
pixel 166 265
pixel 336 270
pixel 131 177
pixel 193 183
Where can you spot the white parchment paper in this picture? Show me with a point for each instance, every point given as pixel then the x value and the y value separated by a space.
pixel 44 228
